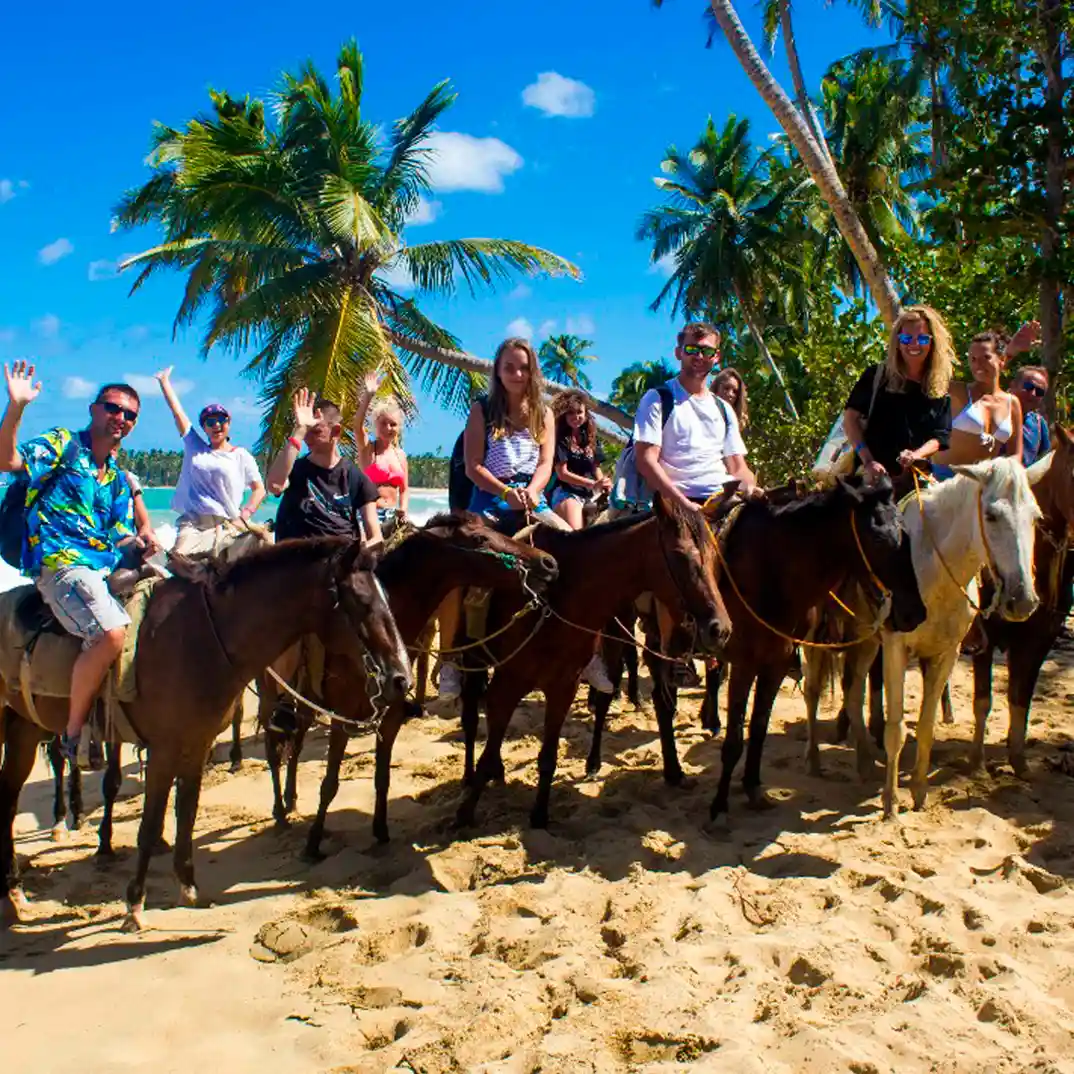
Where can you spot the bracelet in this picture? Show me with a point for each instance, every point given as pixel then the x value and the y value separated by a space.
pixel 295 442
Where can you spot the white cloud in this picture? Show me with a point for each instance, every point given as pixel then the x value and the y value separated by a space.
pixel 397 276
pixel 146 384
pixel 425 213
pixel 48 327
pixel 7 190
pixel 54 251
pixel 102 270
pixel 663 266
pixel 463 162
pixel 582 325
pixel 545 329
pixel 520 327
pixel 521 291
pixel 243 407
pixel 78 388
pixel 556 95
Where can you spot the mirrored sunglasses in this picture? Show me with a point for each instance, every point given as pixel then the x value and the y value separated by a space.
pixel 696 348
pixel 922 340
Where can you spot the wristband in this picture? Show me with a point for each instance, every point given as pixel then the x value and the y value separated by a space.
pixel 295 442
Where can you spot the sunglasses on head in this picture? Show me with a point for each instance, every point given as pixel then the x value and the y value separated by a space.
pixel 696 348
pixel 1034 389
pixel 115 408
pixel 922 340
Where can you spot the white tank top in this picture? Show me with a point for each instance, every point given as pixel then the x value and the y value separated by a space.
pixel 516 453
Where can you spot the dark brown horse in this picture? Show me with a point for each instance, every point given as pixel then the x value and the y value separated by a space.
pixel 449 552
pixel 1027 643
pixel 203 638
pixel 779 562
pixel 667 553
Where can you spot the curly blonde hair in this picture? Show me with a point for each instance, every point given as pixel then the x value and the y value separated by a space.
pixel 941 357
pixel 533 406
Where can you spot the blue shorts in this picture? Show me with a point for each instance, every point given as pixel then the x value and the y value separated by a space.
pixel 499 513
pixel 565 492
pixel 942 472
pixel 81 601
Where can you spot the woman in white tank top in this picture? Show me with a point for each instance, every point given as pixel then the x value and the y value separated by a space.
pixel 988 420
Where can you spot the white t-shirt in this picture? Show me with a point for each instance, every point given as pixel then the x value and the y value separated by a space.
pixel 701 432
pixel 212 482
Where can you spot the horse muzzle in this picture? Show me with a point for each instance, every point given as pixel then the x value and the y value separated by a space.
pixel 713 636
pixel 1018 603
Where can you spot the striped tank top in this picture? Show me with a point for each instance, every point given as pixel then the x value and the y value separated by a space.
pixel 512 455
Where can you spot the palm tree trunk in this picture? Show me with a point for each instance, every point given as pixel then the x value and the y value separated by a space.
pixel 472 364
pixel 766 354
pixel 801 94
pixel 822 171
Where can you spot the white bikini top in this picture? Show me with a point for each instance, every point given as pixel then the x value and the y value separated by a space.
pixel 971 420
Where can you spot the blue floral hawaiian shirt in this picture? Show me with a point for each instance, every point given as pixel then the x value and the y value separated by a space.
pixel 81 515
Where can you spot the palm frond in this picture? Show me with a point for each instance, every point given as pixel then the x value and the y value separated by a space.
pixel 435 267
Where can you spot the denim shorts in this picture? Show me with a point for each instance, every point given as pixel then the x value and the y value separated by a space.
pixel 565 492
pixel 499 514
pixel 81 602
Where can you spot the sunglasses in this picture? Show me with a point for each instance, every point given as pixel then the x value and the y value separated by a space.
pixel 1034 389
pixel 696 348
pixel 115 408
pixel 922 340
pixel 215 423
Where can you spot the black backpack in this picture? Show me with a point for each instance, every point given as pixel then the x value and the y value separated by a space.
pixel 460 487
pixel 13 505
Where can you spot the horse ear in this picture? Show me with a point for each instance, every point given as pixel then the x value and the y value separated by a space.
pixel 1063 436
pixel 978 471
pixel 201 571
pixel 370 557
pixel 660 508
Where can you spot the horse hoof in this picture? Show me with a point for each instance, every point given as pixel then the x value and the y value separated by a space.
pixel 59 833
pixel 465 817
pixel 718 827
pixel 282 823
pixel 976 763
pixel 188 895
pixel 313 854
pixel 380 834
pixel 680 780
pixel 814 765
pixel 539 821
pixel 592 775
pixel 135 919
pixel 235 766
pixel 1021 768
pixel 9 913
pixel 105 853
pixel 759 801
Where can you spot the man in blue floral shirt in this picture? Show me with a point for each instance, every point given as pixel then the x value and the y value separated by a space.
pixel 78 507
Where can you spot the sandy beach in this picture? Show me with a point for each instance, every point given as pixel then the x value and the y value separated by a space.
pixel 814 937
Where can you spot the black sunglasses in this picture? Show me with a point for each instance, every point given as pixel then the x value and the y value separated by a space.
pixel 115 408
pixel 1034 389
pixel 215 423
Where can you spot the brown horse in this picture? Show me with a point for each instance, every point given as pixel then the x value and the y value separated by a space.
pixel 667 553
pixel 449 552
pixel 1027 643
pixel 779 562
pixel 203 638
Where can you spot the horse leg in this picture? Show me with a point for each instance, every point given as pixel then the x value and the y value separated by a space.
pixel 473 685
pixel 818 666
pixel 982 704
pixel 290 791
pixel 630 659
pixel 110 784
pixel 738 693
pixel 187 793
pixel 946 707
pixel 382 778
pixel 557 706
pixel 159 776
pixel 894 657
pixel 665 704
pixel 1023 666
pixel 74 796
pixel 58 762
pixel 235 754
pixel 764 697
pixel 337 746
pixel 857 668
pixel 877 683
pixel 935 671
pixel 710 707
pixel 274 743
pixel 20 748
pixel 615 652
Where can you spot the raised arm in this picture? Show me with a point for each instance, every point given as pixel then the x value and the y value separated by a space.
pixel 280 470
pixel 21 392
pixel 369 388
pixel 182 422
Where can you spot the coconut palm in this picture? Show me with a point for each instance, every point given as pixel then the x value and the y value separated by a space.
pixel 562 358
pixel 634 381
pixel 292 238
pixel 725 220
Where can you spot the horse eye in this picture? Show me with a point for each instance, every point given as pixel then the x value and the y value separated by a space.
pixel 992 514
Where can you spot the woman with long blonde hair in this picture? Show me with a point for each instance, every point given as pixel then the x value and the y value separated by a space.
pixel 899 413
pixel 381 458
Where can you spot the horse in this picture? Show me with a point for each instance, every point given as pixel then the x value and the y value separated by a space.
pixel 449 552
pixel 666 552
pixel 205 634
pixel 778 562
pixel 1028 642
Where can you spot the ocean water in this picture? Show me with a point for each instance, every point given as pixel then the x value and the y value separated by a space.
pixel 423 505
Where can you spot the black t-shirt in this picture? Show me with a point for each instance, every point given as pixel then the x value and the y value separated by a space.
pixel 578 460
pixel 323 503
pixel 900 421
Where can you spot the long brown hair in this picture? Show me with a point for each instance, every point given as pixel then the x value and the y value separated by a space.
pixel 587 433
pixel 532 406
pixel 741 404
pixel 940 361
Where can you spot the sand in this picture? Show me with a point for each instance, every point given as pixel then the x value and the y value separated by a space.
pixel 814 937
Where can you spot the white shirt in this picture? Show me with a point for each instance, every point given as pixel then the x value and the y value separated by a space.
pixel 212 482
pixel 701 432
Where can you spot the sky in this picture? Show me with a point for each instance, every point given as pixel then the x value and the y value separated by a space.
pixel 564 112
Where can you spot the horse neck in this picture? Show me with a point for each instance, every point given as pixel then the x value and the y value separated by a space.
pixel 950 531
pixel 1044 488
pixel 268 603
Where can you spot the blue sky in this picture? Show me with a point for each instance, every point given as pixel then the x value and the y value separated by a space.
pixel 564 111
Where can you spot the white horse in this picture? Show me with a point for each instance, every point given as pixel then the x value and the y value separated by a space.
pixel 983 517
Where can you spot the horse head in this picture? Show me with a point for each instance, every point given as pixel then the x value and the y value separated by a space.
pixel 884 564
pixel 377 644
pixel 493 551
pixel 1007 512
pixel 1062 470
pixel 690 553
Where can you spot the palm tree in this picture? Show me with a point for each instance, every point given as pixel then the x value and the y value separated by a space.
pixel 292 240
pixel 725 220
pixel 634 381
pixel 562 358
pixel 813 157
